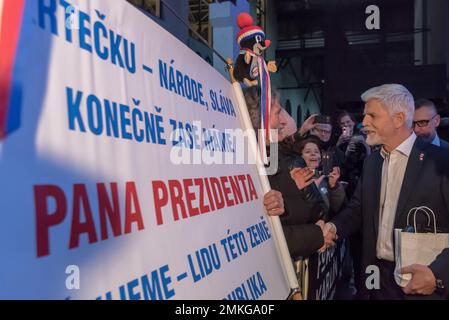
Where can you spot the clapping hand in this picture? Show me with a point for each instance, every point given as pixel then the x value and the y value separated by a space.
pixel 303 177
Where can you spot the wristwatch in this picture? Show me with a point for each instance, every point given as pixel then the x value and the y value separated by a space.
pixel 440 286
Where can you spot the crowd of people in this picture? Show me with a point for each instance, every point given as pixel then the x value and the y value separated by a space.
pixel 339 180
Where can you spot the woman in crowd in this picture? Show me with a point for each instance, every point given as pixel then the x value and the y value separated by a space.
pixel 331 190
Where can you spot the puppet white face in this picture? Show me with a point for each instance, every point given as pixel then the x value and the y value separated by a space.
pixel 260 45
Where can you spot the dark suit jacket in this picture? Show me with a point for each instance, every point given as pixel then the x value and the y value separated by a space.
pixel 444 144
pixel 426 182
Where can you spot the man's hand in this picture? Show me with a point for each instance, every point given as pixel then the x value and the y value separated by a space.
pixel 423 280
pixel 274 203
pixel 351 147
pixel 343 139
pixel 321 224
pixel 333 177
pixel 330 235
pixel 271 66
pixel 307 125
pixel 303 177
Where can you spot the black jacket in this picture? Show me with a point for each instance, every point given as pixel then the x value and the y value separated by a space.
pixel 354 161
pixel 302 210
pixel 426 182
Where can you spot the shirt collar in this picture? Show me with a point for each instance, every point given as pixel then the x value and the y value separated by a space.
pixel 404 148
pixel 436 141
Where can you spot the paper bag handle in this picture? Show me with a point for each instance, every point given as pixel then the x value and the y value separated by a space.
pixel 426 210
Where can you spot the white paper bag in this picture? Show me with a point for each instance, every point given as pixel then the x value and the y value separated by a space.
pixel 417 248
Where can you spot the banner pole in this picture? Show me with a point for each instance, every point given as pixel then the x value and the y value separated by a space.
pixel 281 243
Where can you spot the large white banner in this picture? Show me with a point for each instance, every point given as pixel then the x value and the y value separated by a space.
pixel 92 202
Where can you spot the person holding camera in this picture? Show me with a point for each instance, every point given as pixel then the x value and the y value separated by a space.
pixel 352 143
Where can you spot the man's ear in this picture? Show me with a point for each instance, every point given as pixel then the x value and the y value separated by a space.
pixel 399 119
pixel 437 120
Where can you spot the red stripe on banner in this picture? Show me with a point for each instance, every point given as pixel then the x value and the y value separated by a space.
pixel 11 21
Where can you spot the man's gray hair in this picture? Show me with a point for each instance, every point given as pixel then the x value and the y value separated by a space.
pixel 395 98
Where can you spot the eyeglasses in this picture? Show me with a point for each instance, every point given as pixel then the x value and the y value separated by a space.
pixel 323 131
pixel 423 123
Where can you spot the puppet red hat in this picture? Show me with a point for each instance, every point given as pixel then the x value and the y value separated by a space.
pixel 248 30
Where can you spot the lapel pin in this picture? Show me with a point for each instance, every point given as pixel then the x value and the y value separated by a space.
pixel 421 156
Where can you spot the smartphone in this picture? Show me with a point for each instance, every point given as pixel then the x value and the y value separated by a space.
pixel 327 162
pixel 318 174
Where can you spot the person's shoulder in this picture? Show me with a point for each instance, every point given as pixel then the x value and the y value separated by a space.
pixel 443 151
pixel 424 146
pixel 444 144
pixel 287 156
pixel 439 154
pixel 434 149
pixel 285 160
pixel 372 161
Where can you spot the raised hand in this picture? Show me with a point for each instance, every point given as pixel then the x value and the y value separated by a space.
pixel 308 124
pixel 303 177
pixel 351 147
pixel 344 137
pixel 274 203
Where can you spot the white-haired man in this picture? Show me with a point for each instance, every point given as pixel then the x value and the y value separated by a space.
pixel 406 172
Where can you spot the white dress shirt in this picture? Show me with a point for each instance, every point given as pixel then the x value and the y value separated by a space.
pixel 393 171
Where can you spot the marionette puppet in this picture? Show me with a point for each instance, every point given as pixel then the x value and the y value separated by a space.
pixel 251 69
pixel 250 65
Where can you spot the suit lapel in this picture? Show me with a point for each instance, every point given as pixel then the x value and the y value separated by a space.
pixel 376 172
pixel 414 165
